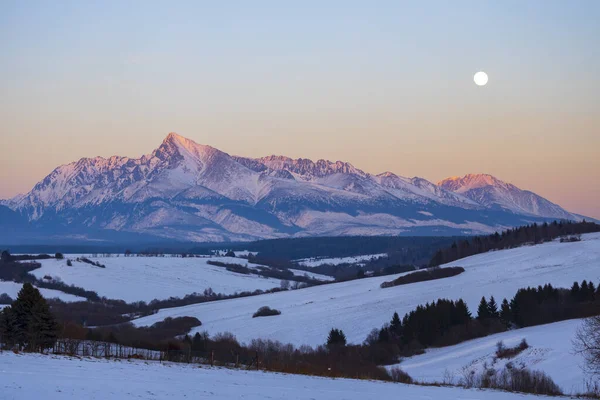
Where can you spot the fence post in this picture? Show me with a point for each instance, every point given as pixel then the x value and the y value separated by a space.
pixel 257 360
pixel 237 360
pixel 212 358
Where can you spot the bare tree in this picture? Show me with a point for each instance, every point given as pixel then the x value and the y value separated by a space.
pixel 587 343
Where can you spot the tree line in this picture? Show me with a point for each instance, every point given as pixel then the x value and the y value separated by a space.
pixel 446 322
pixel 529 234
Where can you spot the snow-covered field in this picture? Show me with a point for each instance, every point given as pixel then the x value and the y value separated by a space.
pixel 358 306
pixel 550 350
pixel 315 262
pixel 148 278
pixel 320 277
pixel 12 289
pixel 33 376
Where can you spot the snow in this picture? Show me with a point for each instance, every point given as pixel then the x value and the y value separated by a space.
pixel 187 183
pixel 147 278
pixel 35 376
pixel 245 253
pixel 12 289
pixel 315 261
pixel 358 306
pixel 550 350
pixel 320 277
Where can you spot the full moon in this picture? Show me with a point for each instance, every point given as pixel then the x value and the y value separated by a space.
pixel 480 78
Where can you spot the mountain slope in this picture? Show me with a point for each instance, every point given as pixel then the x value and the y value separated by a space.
pixel 191 192
pixel 492 192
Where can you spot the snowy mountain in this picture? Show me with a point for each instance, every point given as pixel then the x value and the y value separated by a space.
pixel 492 192
pixel 191 192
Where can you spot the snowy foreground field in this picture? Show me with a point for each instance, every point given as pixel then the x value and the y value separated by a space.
pixel 550 350
pixel 358 306
pixel 147 278
pixel 33 377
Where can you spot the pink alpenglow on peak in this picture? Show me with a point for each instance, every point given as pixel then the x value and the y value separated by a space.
pixel 187 191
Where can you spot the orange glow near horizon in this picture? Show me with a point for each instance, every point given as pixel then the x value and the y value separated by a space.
pixel 384 88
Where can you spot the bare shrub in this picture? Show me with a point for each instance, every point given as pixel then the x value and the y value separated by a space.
pixel 510 352
pixel 587 343
pixel 398 375
pixel 512 380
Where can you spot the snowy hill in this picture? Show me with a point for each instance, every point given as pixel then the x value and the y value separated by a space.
pixel 358 306
pixel 550 350
pixel 35 376
pixel 191 192
pixel 148 278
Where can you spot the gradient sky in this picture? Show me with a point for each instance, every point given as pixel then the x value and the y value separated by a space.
pixel 383 85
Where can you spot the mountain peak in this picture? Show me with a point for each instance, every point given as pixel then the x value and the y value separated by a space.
pixel 490 191
pixel 470 181
pixel 174 137
pixel 176 145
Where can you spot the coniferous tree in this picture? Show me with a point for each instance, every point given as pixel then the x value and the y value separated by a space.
pixel 483 312
pixel 575 291
pixel 584 293
pixel 28 322
pixel 336 339
pixel 591 291
pixel 7 327
pixel 493 308
pixel 396 324
pixel 463 311
pixel 43 328
pixel 505 313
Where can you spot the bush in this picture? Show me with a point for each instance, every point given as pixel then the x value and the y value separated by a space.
pixel 510 352
pixel 88 261
pixel 59 256
pixel 424 275
pixel 266 312
pixel 69 263
pixel 398 375
pixel 513 380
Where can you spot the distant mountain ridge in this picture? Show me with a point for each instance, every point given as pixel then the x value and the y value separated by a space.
pixel 191 192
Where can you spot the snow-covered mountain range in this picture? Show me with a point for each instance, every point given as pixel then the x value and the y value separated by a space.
pixel 192 192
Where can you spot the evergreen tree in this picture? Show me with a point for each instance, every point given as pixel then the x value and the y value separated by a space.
pixel 493 308
pixel 584 292
pixel 463 311
pixel 336 339
pixel 28 322
pixel 7 327
pixel 483 312
pixel 384 334
pixel 396 324
pixel 505 313
pixel 575 291
pixel 43 328
pixel 592 291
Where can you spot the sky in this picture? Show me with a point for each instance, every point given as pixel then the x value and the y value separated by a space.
pixel 386 86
